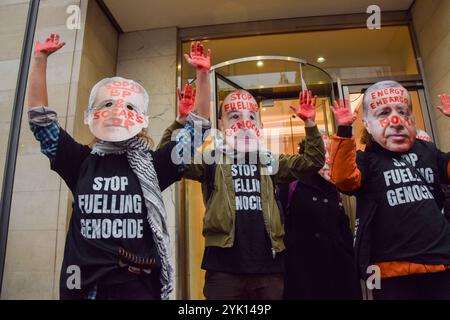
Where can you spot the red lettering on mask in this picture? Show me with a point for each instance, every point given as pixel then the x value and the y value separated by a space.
pixel 116 122
pixel 128 123
pixel 105 114
pixel 240 105
pixel 395 120
pixel 388 95
pixel 120 92
pixel 384 122
pixel 119 116
pixel 124 85
pixel 243 125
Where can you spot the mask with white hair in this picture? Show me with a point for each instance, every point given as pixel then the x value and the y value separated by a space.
pixel 117 109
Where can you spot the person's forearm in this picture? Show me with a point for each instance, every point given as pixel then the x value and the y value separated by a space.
pixel 314 152
pixel 310 123
pixel 37 84
pixel 344 171
pixel 203 93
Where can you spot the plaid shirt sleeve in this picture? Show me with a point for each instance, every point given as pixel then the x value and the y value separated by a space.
pixel 45 127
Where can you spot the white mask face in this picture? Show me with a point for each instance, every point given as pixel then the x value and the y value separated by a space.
pixel 240 120
pixel 118 112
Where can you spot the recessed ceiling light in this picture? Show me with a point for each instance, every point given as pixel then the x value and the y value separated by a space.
pixel 263 109
pixel 320 59
pixel 260 63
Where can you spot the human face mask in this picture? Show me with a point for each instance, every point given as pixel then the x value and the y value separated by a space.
pixel 118 112
pixel 240 121
pixel 389 119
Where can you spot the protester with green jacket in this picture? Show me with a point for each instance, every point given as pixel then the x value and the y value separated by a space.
pixel 243 227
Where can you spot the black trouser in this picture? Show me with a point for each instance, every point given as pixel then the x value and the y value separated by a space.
pixel 424 286
pixel 136 287
pixel 230 286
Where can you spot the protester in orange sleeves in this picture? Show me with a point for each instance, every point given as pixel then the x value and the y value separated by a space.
pixel 401 230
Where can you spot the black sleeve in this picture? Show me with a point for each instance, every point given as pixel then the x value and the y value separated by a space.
pixel 167 171
pixel 69 157
pixel 345 131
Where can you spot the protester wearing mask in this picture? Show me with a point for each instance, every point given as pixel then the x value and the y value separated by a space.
pixel 243 227
pixel 401 231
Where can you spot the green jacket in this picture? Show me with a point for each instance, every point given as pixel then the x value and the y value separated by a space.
pixel 219 219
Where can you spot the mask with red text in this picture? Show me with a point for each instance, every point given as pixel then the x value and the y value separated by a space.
pixel 240 122
pixel 388 118
pixel 117 109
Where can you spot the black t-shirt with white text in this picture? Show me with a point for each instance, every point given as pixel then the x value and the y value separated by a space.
pixel 408 224
pixel 252 249
pixel 109 214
